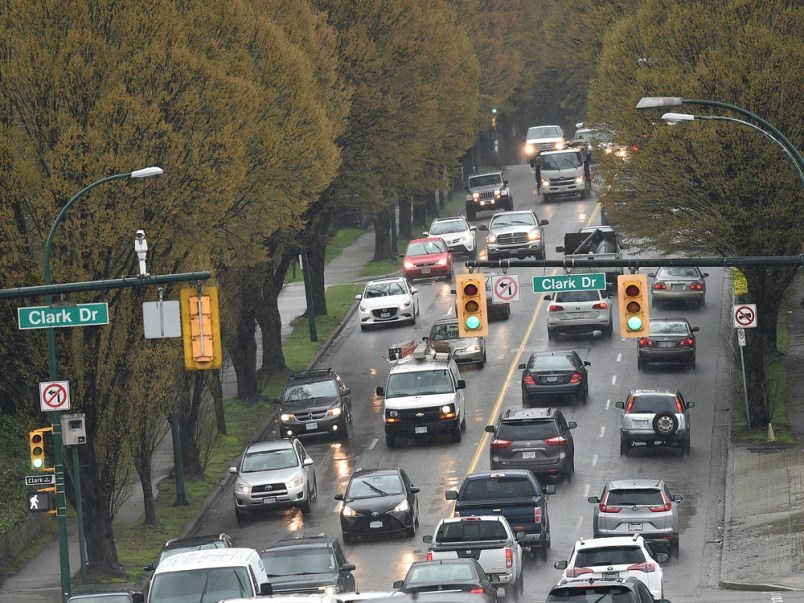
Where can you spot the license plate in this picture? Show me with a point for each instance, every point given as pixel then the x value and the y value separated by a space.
pixel 385 314
pixel 574 314
pixel 551 379
pixel 640 422
pixel 634 527
pixel 421 429
pixel 425 271
pixel 676 286
pixel 610 575
pixel 375 524
pixel 311 426
pixel 666 344
pixel 529 455
pixel 269 500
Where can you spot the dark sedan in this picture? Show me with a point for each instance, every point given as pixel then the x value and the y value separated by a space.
pixel 555 374
pixel 379 501
pixel 447 575
pixel 670 340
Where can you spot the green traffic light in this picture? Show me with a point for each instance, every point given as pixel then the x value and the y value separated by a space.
pixel 634 323
pixel 494 110
pixel 37 463
pixel 472 323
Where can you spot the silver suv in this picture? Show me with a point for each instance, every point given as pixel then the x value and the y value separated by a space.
pixel 639 506
pixel 655 417
pixel 460 237
pixel 515 234
pixel 578 311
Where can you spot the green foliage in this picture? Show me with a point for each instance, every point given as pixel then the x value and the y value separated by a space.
pixel 14 465
pixel 337 243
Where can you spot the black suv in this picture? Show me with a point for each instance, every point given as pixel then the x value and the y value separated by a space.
pixel 192 543
pixel 537 439
pixel 621 590
pixel 308 564
pixel 315 401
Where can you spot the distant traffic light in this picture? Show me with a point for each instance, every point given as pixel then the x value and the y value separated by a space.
pixel 201 329
pixel 632 297
pixel 472 312
pixel 36 443
pixel 494 122
pixel 493 110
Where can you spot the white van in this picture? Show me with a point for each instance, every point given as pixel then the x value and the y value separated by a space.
pixel 208 576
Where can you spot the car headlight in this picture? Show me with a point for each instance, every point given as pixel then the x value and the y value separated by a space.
pixel 348 511
pixel 409 265
pixel 296 482
pixel 491 238
pixel 475 196
pixel 559 145
pixel 545 183
pixel 402 507
pixel 579 180
pixel 407 303
pixel 529 148
pixel 334 412
pixel 442 262
pixel 327 590
pixel 285 417
pixel 242 488
pixel 534 235
pixel 498 193
pixel 363 308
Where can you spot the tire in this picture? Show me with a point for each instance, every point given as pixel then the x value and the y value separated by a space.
pixel 457 434
pixel 307 506
pixel 701 303
pixel 363 328
pixel 343 430
pixel 609 332
pixel 545 546
pixel 546 198
pixel 551 335
pixel 390 440
pixel 347 539
pixel 584 397
pixel 665 424
pixel 240 516
pixel 473 254
pixel 509 206
pixel 583 194
pixel 411 531
pixel 691 364
pixel 675 547
pixel 640 364
pixel 625 446
pixel 463 424
pixel 541 255
pixel 471 214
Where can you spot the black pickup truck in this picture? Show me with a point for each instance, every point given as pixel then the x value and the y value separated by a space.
pixel 516 495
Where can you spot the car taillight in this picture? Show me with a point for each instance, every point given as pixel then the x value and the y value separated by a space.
pixel 497 443
pixel 556 441
pixel 509 557
pixel 574 572
pixel 600 306
pixel 696 286
pixel 630 405
pixel 659 286
pixel 667 506
pixel 606 509
pixel 477 590
pixel 642 567
pixel 576 378
pixel 679 406
pixel 537 515
pixel 456 513
pixel 645 342
pixel 528 379
pixel 429 556
pixel 555 308
pixel 687 341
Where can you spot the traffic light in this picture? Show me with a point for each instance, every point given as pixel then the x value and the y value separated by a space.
pixel 36 442
pixel 42 501
pixel 471 307
pixel 632 295
pixel 201 329
pixel 494 122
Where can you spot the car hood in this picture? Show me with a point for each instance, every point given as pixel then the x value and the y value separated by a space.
pixel 275 475
pixel 422 401
pixel 386 301
pixel 543 140
pixel 428 258
pixel 463 342
pixel 498 230
pixel 310 404
pixel 488 187
pixel 381 504
pixel 300 582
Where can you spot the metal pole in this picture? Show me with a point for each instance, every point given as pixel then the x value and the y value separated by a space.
pixel 745 388
pixel 308 294
pixel 181 496
pixel 79 510
pixel 394 243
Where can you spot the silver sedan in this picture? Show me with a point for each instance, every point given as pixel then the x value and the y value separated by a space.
pixel 678 284
pixel 465 350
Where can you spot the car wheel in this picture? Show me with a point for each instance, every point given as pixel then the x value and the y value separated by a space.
pixel 675 547
pixel 482 363
pixel 343 431
pixel 610 331
pixel 463 424
pixel 509 206
pixel 240 516
pixel 551 335
pixel 692 363
pixel 665 424
pixel 640 364
pixel 347 539
pixel 583 194
pixel 411 531
pixel 307 506
pixel 457 434
pixel 701 303
pixel 390 440
pixel 541 255
pixel 545 546
pixel 625 446
pixel 473 253
pixel 363 327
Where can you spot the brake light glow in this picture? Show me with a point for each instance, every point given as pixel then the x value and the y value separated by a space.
pixel 645 342
pixel 574 572
pixel 556 441
pixel 576 378
pixel 606 509
pixel 477 590
pixel 629 405
pixel 497 443
pixel 679 406
pixel 537 515
pixel 600 306
pixel 659 286
pixel 697 286
pixel 687 342
pixel 429 555
pixel 528 379
pixel 667 506
pixel 509 557
pixel 555 308
pixel 642 567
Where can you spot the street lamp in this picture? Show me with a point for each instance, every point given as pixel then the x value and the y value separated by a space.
pixel 58 453
pixel 674 118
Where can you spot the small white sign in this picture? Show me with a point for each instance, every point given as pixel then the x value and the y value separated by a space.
pixel 505 288
pixel 54 396
pixel 741 337
pixel 161 319
pixel 745 316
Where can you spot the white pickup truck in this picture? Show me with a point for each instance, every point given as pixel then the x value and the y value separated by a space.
pixel 489 540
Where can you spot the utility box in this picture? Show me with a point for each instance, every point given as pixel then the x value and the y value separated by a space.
pixel 73 429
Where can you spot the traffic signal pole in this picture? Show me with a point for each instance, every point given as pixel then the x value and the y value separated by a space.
pixel 635 264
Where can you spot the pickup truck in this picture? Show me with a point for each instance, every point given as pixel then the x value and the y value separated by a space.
pixel 593 243
pixel 488 540
pixel 516 495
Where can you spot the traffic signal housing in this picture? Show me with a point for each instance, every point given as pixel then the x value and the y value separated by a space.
pixel 471 305
pixel 37 440
pixel 201 330
pixel 42 500
pixel 632 297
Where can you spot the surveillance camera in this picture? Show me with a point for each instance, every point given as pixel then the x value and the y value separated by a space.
pixel 140 235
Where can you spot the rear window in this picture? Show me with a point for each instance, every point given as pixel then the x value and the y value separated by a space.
pixel 664 327
pixel 527 430
pixel 540 363
pixel 609 556
pixel 630 498
pixel 648 403
pixel 471 530
pixel 577 296
pixel 498 487
pixel 439 573
pixel 592 594
pixel 677 272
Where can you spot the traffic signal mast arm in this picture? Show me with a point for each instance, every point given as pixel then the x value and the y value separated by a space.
pixel 637 263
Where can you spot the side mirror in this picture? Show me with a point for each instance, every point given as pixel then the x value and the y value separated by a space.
pixel 704 274
pixel 587 363
pixel 690 405
pixel 661 557
pixel 461 384
pixel 266 590
pixel 678 498
pixel 620 404
pixel 453 291
pixel 544 222
pixel 401 255
pixel 425 234
pixel 414 490
pixel 651 274
pixel 232 469
pixel 150 567
pixel 338 496
pixel 549 489
pixel 521 365
pixel 137 598
pixel 307 462
pixel 562 565
pixel 559 249
pixel 473 228
pixel 593 499
pixel 347 391
pixel 572 425
pixel 451 495
pixel 427 539
pixel 347 567
pixel 548 297
pixel 482 227
pixel 414 290
pixel 695 329
pixel 489 428
pixel 520 536
pixel 399 584
pixel 380 390
pixel 358 296
pixel 505 182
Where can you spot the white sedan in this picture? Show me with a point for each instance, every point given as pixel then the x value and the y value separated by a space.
pixel 388 300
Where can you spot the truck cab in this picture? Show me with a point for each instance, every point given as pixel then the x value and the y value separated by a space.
pixel 564 173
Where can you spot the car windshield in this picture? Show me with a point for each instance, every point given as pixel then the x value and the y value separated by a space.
pixel 498 487
pixel 577 296
pixel 459 531
pixel 633 497
pixel 218 544
pixel 609 555
pixel 677 273
pixel 307 391
pixel 202 585
pixel 561 161
pixel 527 430
pixel 268 460
pixel 510 219
pixel 444 331
pixel 592 594
pixel 485 180
pixel 544 132
pixel 384 289
pixel 293 562
pixel 651 403
pixel 110 598
pixel 425 248
pixel 551 363
pixel 419 383
pixel 663 327
pixel 448 226
pixel 438 573
pixel 371 486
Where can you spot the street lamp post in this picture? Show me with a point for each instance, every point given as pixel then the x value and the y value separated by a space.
pixel 674 118
pixel 58 453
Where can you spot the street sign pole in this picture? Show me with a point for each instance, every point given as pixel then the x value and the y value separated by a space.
pixel 745 388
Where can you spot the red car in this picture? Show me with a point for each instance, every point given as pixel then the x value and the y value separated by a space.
pixel 427 258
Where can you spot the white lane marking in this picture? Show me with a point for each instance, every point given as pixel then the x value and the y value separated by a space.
pixel 602 431
pixel 373 444
pixel 594 460
pixel 578 527
pixel 608 404
pixel 619 357
pixel 614 379
pixel 586 490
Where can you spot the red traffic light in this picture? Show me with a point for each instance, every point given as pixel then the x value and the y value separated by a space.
pixel 470 289
pixel 632 290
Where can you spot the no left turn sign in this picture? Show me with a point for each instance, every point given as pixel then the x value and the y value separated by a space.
pixel 745 316
pixel 54 395
pixel 505 288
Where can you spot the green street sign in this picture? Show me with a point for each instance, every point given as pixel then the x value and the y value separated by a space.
pixel 569 282
pixel 47 317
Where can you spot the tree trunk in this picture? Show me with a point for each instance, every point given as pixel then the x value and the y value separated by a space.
pixel 382 235
pixel 188 426
pixel 269 319
pixel 216 391
pixel 431 202
pixel 316 250
pixel 244 349
pixel 419 213
pixel 144 469
pixel 405 219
